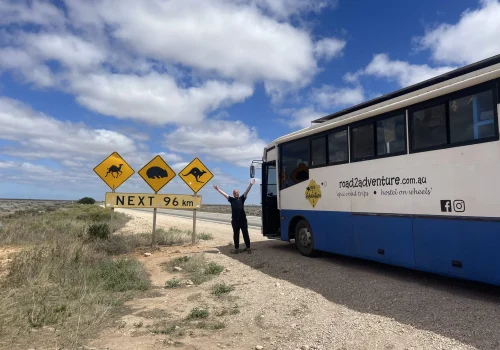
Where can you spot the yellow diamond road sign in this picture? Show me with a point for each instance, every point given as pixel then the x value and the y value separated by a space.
pixel 196 175
pixel 157 173
pixel 114 170
pixel 313 193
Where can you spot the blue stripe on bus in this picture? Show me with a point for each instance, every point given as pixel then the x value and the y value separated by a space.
pixel 424 244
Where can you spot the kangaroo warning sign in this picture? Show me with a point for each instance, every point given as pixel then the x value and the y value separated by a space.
pixel 149 200
pixel 157 173
pixel 114 170
pixel 195 175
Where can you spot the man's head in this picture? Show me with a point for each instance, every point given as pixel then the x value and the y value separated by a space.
pixel 236 193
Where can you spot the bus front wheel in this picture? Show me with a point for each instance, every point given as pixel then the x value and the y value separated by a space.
pixel 304 240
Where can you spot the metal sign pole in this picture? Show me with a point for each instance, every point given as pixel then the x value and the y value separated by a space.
pixel 153 238
pixel 112 214
pixel 194 220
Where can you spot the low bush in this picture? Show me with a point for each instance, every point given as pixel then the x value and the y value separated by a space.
pixel 197 313
pixel 98 230
pixel 197 267
pixel 222 288
pixel 173 283
pixel 86 200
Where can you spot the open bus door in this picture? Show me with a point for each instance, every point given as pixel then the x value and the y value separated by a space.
pixel 269 201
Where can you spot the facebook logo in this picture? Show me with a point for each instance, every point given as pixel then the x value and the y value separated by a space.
pixel 446 205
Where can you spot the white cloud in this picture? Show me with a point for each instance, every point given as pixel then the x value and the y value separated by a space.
pixel 26 67
pixel 163 61
pixel 328 48
pixel 301 117
pixel 286 8
pixel 73 144
pixel 70 50
pixel 473 38
pixel 329 97
pixel 228 141
pixel 154 98
pixel 7 164
pixel 232 39
pixel 322 101
pixel 33 12
pixel 402 72
pixel 41 134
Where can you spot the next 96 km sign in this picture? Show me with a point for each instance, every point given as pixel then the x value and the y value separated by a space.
pixel 149 200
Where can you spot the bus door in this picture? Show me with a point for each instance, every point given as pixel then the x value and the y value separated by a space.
pixel 269 201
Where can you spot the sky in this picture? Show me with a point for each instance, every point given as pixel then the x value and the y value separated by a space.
pixel 217 80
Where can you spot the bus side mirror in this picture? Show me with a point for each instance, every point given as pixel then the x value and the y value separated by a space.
pixel 252 171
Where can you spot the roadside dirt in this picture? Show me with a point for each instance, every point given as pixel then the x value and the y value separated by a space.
pixel 261 312
pixel 6 254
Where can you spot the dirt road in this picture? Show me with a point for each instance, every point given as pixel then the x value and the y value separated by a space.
pixel 286 301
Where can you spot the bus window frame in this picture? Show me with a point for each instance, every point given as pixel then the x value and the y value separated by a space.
pixel 445 99
pixel 374 120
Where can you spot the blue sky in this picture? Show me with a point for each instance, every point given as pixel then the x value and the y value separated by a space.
pixel 213 79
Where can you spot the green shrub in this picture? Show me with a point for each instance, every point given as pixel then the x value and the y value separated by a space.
pixel 121 275
pixel 213 269
pixel 86 200
pixel 205 236
pixel 98 230
pixel 173 283
pixel 222 288
pixel 198 313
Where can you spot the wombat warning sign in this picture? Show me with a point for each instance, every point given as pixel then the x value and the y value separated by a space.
pixel 157 173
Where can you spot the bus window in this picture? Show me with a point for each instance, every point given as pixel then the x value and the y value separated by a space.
pixel 337 147
pixel 271 182
pixel 318 147
pixel 472 117
pixel 362 142
pixel 429 127
pixel 294 163
pixel 391 135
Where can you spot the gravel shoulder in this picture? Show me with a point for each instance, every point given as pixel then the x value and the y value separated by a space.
pixel 287 301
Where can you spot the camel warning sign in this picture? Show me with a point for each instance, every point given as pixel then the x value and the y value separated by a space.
pixel 195 175
pixel 114 170
pixel 157 173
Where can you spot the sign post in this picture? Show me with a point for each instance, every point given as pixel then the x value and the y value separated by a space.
pixel 193 237
pixel 157 174
pixel 114 171
pixel 195 175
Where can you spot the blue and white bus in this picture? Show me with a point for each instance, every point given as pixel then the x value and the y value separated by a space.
pixel 411 178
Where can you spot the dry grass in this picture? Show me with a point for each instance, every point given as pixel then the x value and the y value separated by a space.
pixel 197 267
pixel 54 225
pixel 63 279
pixel 121 244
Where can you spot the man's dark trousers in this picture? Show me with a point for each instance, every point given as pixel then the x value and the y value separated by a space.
pixel 243 225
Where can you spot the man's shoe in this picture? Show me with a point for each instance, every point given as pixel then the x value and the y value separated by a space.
pixel 235 251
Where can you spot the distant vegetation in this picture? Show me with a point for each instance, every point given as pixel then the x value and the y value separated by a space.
pixel 86 200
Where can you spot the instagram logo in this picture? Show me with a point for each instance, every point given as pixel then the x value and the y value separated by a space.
pixel 459 206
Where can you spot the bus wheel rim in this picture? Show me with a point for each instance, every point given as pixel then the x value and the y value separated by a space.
pixel 305 237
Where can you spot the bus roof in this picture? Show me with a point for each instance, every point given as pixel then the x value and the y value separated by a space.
pixel 422 85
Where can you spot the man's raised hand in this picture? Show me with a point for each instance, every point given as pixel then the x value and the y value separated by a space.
pixel 216 187
pixel 252 181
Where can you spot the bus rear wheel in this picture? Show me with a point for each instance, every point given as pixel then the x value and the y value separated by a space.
pixel 304 240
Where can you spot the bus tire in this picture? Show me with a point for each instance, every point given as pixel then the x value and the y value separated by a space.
pixel 304 240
